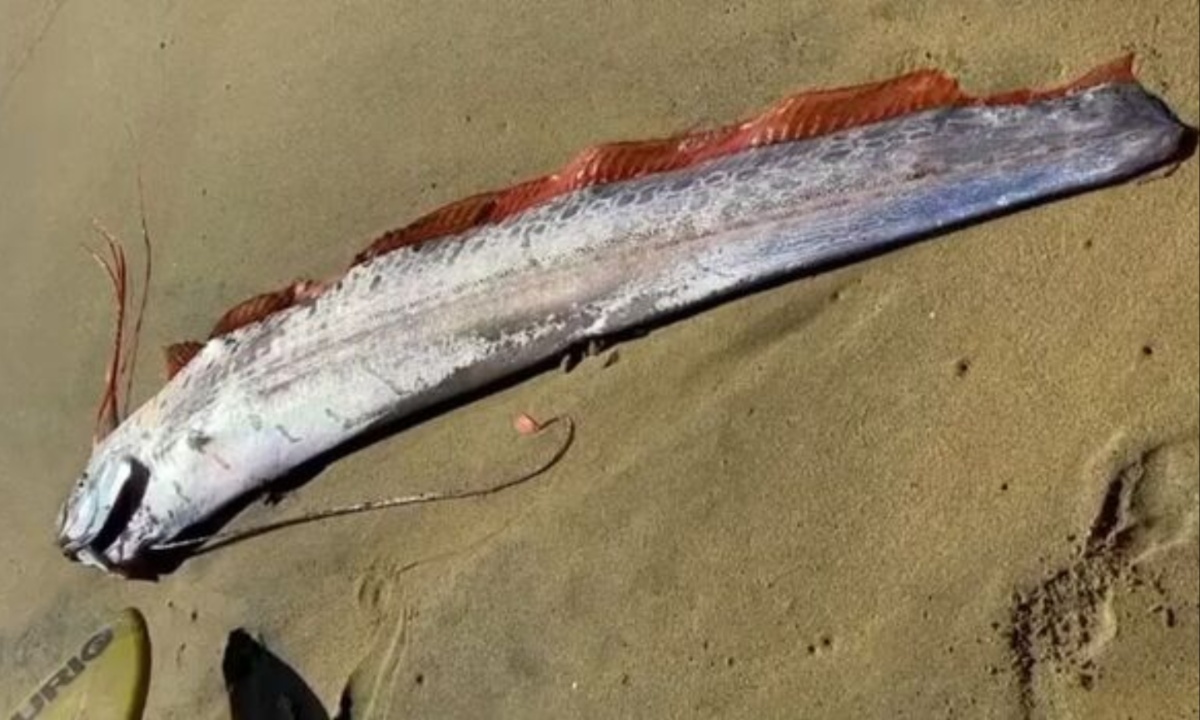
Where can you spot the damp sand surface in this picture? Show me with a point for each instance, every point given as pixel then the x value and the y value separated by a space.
pixel 959 480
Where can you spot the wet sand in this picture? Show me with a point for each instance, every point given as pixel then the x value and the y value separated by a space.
pixel 879 492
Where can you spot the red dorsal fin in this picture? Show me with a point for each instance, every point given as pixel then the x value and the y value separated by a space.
pixel 451 219
pixel 253 309
pixel 180 354
pixel 799 117
pixel 243 314
pixel 266 304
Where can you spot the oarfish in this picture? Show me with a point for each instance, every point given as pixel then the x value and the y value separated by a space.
pixel 624 235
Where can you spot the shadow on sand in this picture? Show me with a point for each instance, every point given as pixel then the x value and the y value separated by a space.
pixel 261 686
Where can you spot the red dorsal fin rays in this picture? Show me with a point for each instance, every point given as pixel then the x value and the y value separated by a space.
pixel 245 313
pixel 180 354
pixel 108 414
pixel 799 117
pixel 266 304
pixel 451 219
pixel 115 397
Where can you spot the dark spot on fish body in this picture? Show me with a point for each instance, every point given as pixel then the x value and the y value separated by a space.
pixel 682 183
pixel 920 172
pixel 920 133
pixel 875 132
pixel 396 390
pixel 346 423
pixel 834 155
pixel 745 174
pixel 474 245
pixel 454 251
pixel 603 192
pixel 198 441
pixel 375 280
pixel 941 121
pixel 647 195
pixel 876 143
pixel 286 435
pixel 489 335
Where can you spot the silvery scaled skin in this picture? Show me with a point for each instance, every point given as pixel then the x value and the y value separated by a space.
pixel 417 326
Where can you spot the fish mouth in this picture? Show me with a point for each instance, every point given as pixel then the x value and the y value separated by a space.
pixel 89 556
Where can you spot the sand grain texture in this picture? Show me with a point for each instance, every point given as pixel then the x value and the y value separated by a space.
pixel 959 480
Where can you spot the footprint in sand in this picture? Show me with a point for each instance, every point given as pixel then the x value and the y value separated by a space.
pixel 373 589
pixel 1060 628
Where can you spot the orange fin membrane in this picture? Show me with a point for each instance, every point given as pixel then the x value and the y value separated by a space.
pixel 799 117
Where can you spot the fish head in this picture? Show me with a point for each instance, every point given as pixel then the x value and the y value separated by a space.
pixel 150 483
pixel 98 523
pixel 131 499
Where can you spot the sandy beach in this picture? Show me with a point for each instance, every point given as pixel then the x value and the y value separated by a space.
pixel 879 492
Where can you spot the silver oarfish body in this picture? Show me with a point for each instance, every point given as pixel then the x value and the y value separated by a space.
pixel 626 235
